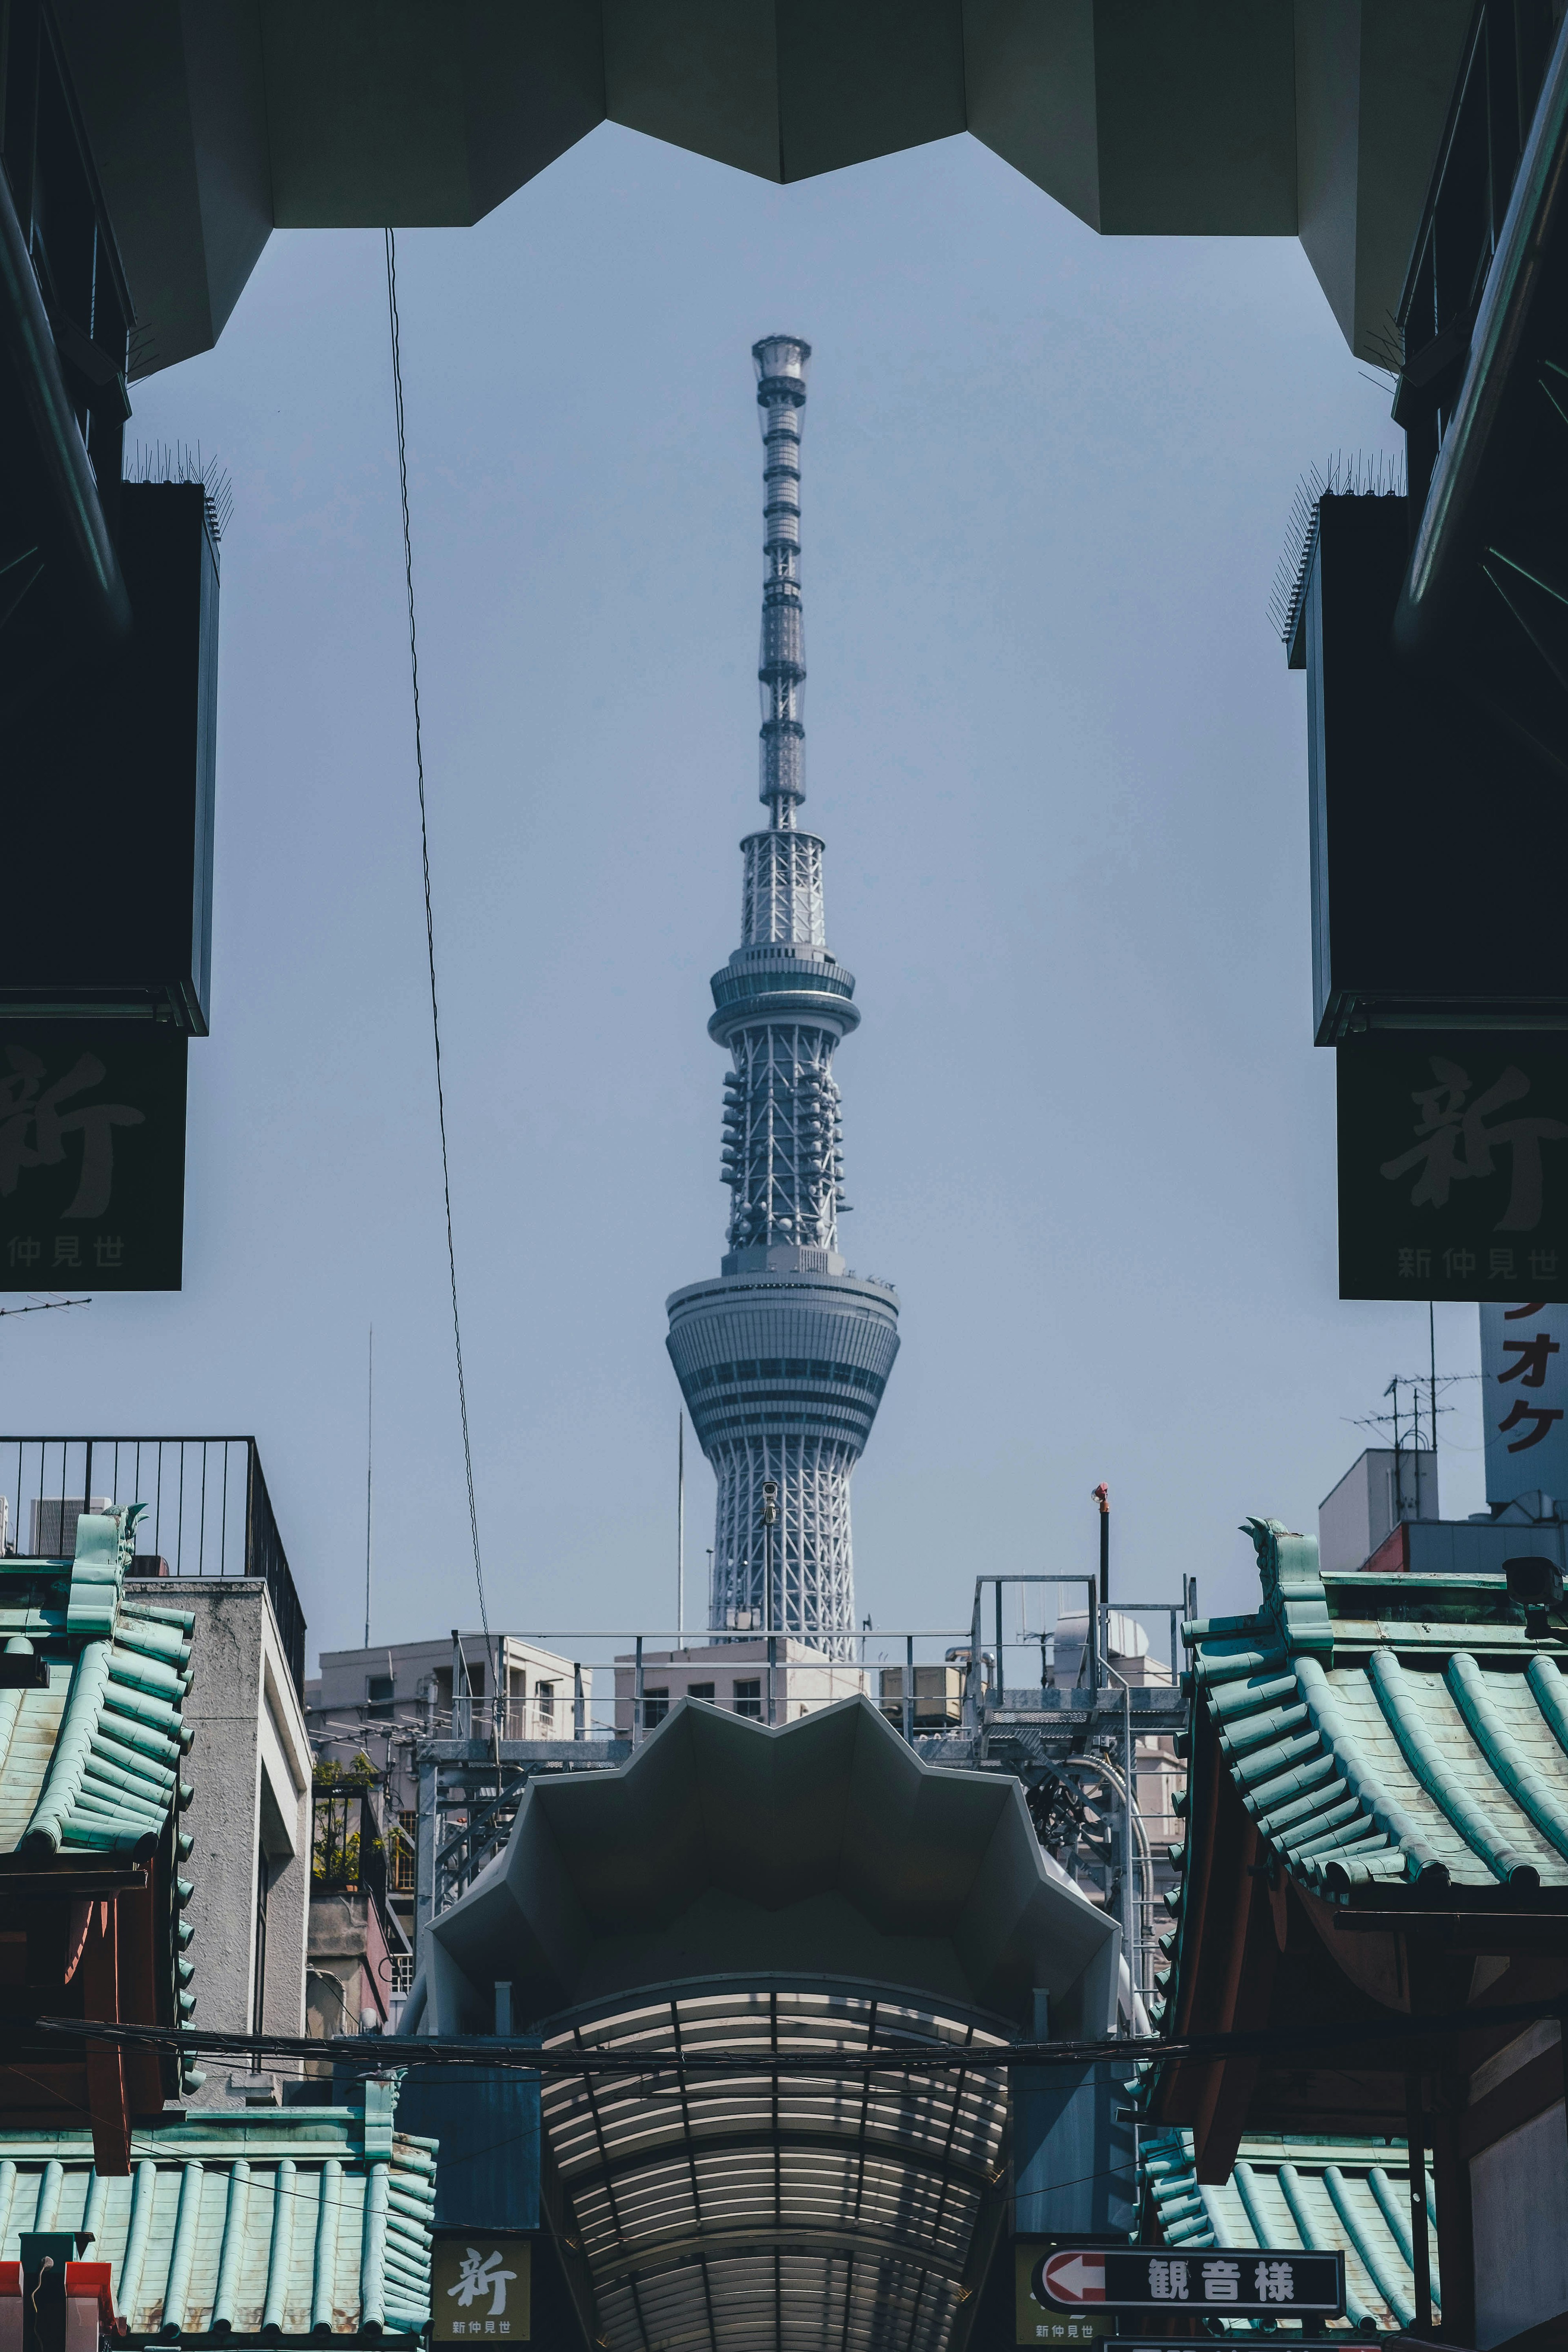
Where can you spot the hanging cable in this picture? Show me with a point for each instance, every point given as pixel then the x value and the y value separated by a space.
pixel 430 951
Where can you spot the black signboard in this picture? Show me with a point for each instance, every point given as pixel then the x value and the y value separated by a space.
pixel 1224 2282
pixel 481 2284
pixel 1453 1164
pixel 92 1155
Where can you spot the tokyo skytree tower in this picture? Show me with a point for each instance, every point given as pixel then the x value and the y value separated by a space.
pixel 783 1358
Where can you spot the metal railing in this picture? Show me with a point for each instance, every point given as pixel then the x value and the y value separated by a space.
pixel 474 1756
pixel 207 1510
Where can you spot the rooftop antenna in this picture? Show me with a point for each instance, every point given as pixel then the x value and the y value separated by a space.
pixel 681 1526
pixel 369 1472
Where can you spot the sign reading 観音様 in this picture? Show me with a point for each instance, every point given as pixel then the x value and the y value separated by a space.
pixel 92 1155
pixel 1224 2281
pixel 481 2286
pixel 1453 1168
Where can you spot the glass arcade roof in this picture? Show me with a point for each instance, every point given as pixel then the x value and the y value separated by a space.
pixel 727 2213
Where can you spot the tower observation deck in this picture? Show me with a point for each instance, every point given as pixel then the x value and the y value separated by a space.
pixel 782 1358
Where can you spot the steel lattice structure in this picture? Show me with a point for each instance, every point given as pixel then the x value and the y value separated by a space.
pixel 783 1358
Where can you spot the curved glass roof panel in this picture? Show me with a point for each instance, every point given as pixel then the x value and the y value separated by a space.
pixel 766 2210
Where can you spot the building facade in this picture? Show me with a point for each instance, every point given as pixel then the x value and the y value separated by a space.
pixel 783 1358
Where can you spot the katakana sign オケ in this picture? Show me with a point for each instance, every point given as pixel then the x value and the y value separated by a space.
pixel 481 2286
pixel 92 1155
pixel 1524 1400
pixel 1453 1168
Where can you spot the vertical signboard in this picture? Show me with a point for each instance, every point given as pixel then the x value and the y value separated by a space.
pixel 481 2284
pixel 1453 1168
pixel 92 1155
pixel 1524 1401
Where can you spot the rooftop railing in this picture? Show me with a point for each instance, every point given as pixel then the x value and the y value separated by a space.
pixel 207 1511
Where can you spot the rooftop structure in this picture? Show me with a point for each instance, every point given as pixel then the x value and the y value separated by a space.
pixel 783 1358
pixel 1385 1488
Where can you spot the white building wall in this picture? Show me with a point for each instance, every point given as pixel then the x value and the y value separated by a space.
pixel 1376 1491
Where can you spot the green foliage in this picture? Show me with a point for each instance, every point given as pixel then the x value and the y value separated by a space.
pixel 344 1832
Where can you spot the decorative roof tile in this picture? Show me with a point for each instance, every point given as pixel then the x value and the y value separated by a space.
pixel 1349 2195
pixel 89 1759
pixel 91 1752
pixel 298 2226
pixel 1406 1731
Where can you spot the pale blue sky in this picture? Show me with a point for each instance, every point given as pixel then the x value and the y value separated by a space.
pixel 1061 768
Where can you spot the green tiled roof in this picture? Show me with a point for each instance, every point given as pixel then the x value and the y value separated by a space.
pixel 1316 2194
pixel 1394 1727
pixel 89 1761
pixel 296 2225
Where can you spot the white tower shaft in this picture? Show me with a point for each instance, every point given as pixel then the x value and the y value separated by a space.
pixel 782 1358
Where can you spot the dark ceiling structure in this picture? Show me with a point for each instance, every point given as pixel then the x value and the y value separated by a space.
pixel 212 125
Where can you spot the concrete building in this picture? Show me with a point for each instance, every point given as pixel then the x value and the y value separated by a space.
pixel 764 1681
pixel 248 1819
pixel 377 1705
pixel 378 1701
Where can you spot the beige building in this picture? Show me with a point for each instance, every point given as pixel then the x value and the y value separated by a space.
pixel 736 1675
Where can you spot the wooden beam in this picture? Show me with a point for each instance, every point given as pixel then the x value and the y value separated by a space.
pixel 1455 2232
pixel 105 2089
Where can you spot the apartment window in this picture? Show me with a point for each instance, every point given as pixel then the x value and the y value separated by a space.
pixel 379 1690
pixel 701 1690
pixel 545 1694
pixel 402 1850
pixel 400 1966
pixel 655 1707
pixel 749 1699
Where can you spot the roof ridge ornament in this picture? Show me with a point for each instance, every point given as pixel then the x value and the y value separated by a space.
pixel 105 1546
pixel 1292 1581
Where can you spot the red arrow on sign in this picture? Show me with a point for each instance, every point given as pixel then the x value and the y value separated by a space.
pixel 1074 2277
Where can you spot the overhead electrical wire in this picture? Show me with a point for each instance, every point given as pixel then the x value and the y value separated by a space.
pixel 393 327
pixel 372 2053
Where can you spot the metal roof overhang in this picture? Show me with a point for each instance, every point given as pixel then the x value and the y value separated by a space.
pixel 812 1888
pixel 1200 117
pixel 823 1847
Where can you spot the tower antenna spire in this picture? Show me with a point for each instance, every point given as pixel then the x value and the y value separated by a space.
pixel 781 362
pixel 782 1360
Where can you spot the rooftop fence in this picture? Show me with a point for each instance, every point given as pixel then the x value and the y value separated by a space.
pixel 207 1510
